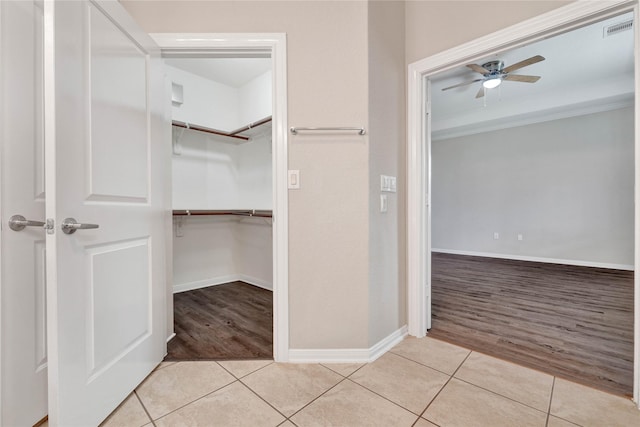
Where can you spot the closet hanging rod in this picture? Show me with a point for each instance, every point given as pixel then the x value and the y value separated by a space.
pixel 250 126
pixel 246 212
pixel 294 130
pixel 207 130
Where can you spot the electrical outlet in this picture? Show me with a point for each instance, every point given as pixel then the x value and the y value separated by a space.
pixel 496 236
pixel 520 237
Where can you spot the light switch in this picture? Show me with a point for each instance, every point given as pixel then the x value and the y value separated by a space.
pixel 294 179
pixel 383 203
pixel 388 183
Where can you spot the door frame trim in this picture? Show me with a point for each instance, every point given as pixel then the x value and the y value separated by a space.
pixel 551 23
pixel 276 45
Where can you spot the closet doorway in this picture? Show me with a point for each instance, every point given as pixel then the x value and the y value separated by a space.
pixel 222 199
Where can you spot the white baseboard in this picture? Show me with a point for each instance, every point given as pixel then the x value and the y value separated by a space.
pixel 387 343
pixel 537 259
pixel 189 286
pixel 170 337
pixel 220 280
pixel 349 355
pixel 255 282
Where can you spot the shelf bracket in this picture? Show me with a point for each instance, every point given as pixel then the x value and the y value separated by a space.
pixel 176 135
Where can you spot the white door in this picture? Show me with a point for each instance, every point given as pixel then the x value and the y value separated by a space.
pixel 107 154
pixel 24 346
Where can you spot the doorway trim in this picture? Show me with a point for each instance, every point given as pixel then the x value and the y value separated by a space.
pixel 275 45
pixel 543 26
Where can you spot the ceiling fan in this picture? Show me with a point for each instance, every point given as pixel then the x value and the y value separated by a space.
pixel 494 72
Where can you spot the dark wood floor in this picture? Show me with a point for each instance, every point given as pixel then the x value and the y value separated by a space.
pixel 230 321
pixel 572 322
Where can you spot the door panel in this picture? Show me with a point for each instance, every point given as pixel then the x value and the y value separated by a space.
pixel 118 107
pixel 119 273
pixel 23 299
pixel 105 165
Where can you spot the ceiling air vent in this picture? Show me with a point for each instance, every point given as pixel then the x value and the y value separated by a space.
pixel 618 28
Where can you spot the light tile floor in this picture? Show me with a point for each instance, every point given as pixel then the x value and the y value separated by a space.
pixel 420 382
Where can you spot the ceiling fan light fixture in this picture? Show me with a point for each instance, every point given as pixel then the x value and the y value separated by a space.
pixel 492 82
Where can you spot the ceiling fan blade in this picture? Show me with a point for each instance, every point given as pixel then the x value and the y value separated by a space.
pixel 523 64
pixel 463 84
pixel 478 69
pixel 480 92
pixel 520 78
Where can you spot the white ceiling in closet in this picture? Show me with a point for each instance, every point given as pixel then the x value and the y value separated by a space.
pixel 234 72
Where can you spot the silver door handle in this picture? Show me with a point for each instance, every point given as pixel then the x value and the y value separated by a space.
pixel 18 223
pixel 70 225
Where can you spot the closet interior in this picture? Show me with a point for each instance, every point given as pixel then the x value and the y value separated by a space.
pixel 222 208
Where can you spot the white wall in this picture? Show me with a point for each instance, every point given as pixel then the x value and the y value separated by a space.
pixel 565 185
pixel 387 290
pixel 254 172
pixel 204 174
pixel 220 249
pixel 206 252
pixel 436 25
pixel 218 106
pixel 214 172
pixel 255 99
pixel 254 251
pixel 205 102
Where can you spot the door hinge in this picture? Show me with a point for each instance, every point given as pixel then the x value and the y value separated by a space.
pixel 50 226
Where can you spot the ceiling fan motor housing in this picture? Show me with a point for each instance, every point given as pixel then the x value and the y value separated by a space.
pixel 494 67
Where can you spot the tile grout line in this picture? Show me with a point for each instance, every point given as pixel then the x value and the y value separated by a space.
pixel 384 397
pixel 388 399
pixel 444 386
pixel 345 376
pixel 144 408
pixel 498 394
pixel 262 398
pixel 420 418
pixel 319 396
pixel 427 366
pixel 237 377
pixel 553 385
pixel 193 401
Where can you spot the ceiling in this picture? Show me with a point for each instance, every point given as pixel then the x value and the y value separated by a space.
pixel 583 72
pixel 234 72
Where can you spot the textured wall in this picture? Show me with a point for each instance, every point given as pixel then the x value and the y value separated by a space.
pixel 565 185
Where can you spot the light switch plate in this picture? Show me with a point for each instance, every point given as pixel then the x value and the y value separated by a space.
pixel 383 203
pixel 388 183
pixel 294 179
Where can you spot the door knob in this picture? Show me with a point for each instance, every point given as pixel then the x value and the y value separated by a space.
pixel 70 225
pixel 18 223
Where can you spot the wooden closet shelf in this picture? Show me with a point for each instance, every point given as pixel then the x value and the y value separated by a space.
pixel 246 212
pixel 233 134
